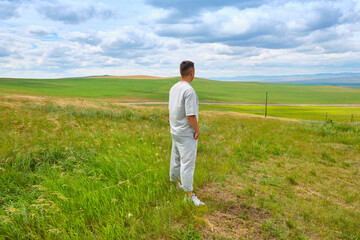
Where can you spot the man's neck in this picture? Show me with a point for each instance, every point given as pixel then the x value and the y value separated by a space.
pixel 188 80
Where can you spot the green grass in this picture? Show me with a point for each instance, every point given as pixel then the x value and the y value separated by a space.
pixel 323 113
pixel 101 172
pixel 158 90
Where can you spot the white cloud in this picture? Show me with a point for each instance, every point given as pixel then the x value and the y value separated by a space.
pixel 8 9
pixel 72 12
pixel 67 38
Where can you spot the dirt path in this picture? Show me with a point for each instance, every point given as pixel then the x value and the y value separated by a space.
pixel 253 104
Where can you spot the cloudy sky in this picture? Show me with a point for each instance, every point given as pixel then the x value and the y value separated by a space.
pixel 62 38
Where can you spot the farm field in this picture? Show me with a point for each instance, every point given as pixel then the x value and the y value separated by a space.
pixel 75 168
pixel 157 90
pixel 316 113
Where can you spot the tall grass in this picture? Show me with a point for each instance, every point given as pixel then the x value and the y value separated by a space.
pixel 70 172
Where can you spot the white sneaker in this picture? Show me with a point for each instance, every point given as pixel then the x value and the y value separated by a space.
pixel 196 201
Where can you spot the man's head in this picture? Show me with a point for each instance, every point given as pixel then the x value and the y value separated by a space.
pixel 187 70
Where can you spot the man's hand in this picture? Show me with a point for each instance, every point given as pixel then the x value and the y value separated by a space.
pixel 194 124
pixel 196 136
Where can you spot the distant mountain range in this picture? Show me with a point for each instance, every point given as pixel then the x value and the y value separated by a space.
pixel 333 79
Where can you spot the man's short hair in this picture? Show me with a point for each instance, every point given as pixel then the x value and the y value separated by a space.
pixel 186 67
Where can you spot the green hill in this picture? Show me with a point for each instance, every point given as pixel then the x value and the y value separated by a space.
pixel 157 90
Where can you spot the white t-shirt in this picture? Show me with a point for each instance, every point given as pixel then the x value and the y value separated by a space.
pixel 183 101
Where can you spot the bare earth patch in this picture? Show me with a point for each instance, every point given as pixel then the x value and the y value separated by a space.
pixel 14 99
pixel 24 97
pixel 232 218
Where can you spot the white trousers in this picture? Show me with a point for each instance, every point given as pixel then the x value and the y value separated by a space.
pixel 182 161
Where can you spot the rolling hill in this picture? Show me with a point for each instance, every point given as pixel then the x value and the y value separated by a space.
pixel 124 89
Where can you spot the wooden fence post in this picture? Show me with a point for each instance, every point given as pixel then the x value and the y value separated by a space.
pixel 266 103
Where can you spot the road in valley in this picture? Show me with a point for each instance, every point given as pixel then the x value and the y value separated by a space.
pixel 254 104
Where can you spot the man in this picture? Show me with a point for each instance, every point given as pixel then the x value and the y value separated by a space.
pixel 184 129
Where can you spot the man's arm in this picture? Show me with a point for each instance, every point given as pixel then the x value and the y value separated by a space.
pixel 194 124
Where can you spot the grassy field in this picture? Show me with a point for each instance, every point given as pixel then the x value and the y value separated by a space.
pixel 95 169
pixel 322 113
pixel 158 90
